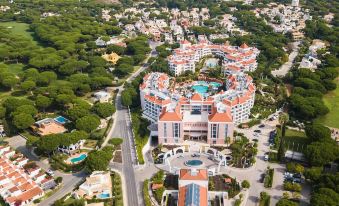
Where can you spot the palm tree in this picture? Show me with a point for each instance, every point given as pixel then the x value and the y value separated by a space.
pixel 283 119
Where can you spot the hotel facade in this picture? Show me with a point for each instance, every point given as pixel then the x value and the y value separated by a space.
pixel 190 115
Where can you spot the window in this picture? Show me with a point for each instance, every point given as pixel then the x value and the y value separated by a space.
pixel 214 142
pixel 226 130
pixel 214 131
pixel 165 130
pixel 176 130
pixel 165 140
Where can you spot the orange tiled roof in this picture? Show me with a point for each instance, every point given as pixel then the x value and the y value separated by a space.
pixel 196 97
pixel 185 174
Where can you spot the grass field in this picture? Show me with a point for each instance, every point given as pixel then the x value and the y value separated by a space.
pixel 18 29
pixel 331 100
pixel 295 140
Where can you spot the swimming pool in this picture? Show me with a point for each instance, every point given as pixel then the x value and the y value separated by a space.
pixel 193 163
pixel 61 119
pixel 202 87
pixel 79 158
pixel 104 195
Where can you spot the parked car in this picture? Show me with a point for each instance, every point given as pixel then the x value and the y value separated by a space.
pixel 195 155
pixel 257 131
pixel 262 177
pixel 266 157
pixel 50 172
pixel 261 126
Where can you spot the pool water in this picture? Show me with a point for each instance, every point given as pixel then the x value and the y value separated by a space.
pixel 79 158
pixel 202 87
pixel 61 119
pixel 193 163
pixel 104 195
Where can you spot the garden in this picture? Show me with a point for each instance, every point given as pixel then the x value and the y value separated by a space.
pixel 224 183
pixel 243 152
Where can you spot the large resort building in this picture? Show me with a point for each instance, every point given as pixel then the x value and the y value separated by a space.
pixel 241 58
pixel 204 110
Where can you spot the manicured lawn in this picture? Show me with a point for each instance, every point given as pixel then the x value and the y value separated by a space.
pixel 295 140
pixel 18 29
pixel 331 100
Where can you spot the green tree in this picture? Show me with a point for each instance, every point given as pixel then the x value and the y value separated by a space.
pixel 43 102
pixel 2 112
pixel 27 85
pixel 10 82
pixel 286 202
pixel 27 109
pixel 23 121
pixel 126 98
pixel 77 112
pixel 317 132
pixel 320 153
pixel 325 196
pixel 88 123
pixel 104 110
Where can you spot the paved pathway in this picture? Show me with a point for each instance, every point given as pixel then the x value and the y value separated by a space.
pixel 283 70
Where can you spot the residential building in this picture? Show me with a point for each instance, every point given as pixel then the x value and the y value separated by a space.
pixel 48 126
pixel 98 185
pixel 16 186
pixel 184 58
pixel 102 96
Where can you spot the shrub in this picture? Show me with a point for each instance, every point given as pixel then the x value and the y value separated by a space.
pixel 269 178
pixel 58 180
pixel 147 199
pixel 293 187
pixel 264 199
pixel 245 184
pixel 115 141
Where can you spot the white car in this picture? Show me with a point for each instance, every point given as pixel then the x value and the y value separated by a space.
pixel 266 157
pixel 50 173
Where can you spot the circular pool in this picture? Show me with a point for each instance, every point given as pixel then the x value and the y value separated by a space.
pixel 193 163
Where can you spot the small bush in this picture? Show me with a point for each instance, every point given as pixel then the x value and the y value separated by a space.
pixel 293 187
pixel 58 180
pixel 245 184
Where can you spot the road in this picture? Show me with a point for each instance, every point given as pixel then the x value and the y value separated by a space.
pixel 122 127
pixel 69 180
pixel 283 70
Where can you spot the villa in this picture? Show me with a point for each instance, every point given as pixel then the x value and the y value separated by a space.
pixel 98 185
pixel 241 58
pixel 113 57
pixel 102 96
pixel 49 126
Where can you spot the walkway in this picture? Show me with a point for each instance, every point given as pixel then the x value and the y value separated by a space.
pixel 285 68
